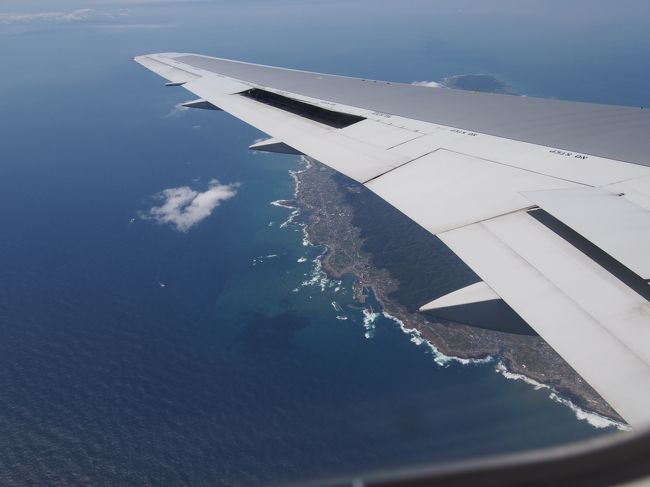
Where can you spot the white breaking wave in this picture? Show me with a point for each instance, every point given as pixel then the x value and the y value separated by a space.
pixel 261 258
pixel 292 216
pixel 296 181
pixel 319 278
pixel 294 174
pixel 282 204
pixel 369 318
pixel 305 237
pixel 438 357
pixel 594 419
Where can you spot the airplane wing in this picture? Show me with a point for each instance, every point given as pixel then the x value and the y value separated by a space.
pixel 547 201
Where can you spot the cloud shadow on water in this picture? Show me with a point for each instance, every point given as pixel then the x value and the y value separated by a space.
pixel 269 333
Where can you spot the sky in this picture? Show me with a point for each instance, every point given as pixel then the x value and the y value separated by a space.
pixel 603 44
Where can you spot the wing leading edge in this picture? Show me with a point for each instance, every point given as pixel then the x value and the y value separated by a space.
pixel 547 201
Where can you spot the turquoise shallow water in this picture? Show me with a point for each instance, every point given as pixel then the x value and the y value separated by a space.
pixel 226 375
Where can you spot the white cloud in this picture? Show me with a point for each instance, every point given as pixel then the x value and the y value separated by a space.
pixel 184 207
pixel 177 110
pixel 430 84
pixel 110 22
pixel 78 15
pixel 125 27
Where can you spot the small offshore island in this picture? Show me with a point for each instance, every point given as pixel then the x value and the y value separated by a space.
pixel 404 266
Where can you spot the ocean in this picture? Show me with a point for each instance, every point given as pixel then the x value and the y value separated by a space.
pixel 132 353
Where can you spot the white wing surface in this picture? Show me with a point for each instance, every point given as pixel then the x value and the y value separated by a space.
pixel 547 201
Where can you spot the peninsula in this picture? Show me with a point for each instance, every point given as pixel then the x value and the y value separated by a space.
pixel 405 266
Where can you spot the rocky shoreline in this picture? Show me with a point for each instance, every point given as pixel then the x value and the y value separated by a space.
pixel 388 254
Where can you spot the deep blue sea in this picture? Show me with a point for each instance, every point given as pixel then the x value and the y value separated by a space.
pixel 132 353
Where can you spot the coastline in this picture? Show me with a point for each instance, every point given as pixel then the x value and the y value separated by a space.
pixel 327 206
